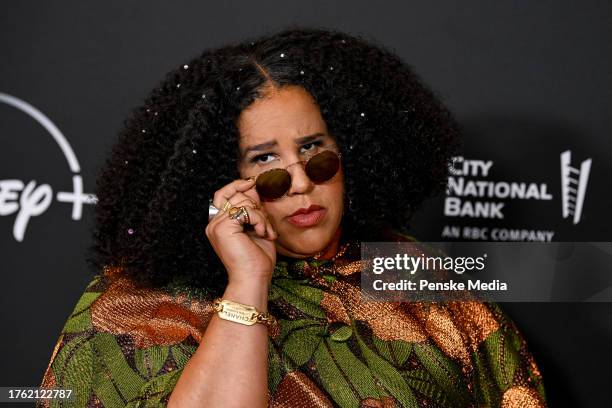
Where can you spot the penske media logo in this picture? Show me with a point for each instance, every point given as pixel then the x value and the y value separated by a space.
pixel 32 200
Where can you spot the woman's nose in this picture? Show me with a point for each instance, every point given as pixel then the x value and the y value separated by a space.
pixel 300 182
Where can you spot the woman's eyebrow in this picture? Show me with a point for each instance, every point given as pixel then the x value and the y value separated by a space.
pixel 259 147
pixel 272 143
pixel 309 138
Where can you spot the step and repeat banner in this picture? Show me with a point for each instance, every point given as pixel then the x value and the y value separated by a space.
pixel 529 84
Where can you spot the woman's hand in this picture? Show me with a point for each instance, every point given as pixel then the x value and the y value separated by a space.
pixel 248 255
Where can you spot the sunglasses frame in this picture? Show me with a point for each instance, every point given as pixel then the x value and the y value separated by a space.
pixel 304 162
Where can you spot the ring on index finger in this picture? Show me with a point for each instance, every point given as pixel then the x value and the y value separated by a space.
pixel 226 206
pixel 245 214
pixel 233 212
pixel 239 213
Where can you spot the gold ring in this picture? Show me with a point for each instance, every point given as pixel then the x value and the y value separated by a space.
pixel 226 206
pixel 247 219
pixel 234 212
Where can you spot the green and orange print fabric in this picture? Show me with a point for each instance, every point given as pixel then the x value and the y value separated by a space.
pixel 125 346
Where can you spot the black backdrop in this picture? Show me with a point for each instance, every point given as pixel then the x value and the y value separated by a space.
pixel 527 81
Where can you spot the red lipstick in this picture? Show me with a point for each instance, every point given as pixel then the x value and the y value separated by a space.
pixel 307 217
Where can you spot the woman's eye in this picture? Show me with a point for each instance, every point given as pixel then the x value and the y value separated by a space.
pixel 261 158
pixel 311 146
pixel 267 158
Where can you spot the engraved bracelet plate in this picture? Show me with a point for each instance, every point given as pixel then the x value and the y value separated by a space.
pixel 237 313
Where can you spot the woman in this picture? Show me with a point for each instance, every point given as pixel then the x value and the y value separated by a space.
pixel 305 143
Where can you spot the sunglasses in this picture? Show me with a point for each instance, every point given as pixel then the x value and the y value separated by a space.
pixel 274 183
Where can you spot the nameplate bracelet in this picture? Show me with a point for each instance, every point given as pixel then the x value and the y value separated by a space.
pixel 241 313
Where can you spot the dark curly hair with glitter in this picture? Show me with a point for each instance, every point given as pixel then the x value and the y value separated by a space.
pixel 173 152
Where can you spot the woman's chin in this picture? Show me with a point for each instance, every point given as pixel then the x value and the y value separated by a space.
pixel 304 246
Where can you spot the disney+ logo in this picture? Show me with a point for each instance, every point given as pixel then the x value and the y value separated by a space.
pixel 29 199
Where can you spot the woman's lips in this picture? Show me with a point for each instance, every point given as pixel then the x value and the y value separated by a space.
pixel 307 220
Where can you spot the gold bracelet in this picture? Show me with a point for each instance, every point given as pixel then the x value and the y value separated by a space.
pixel 241 313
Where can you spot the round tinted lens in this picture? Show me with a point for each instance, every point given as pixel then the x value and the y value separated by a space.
pixel 323 166
pixel 273 183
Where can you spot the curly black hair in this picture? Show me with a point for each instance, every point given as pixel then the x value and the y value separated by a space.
pixel 396 137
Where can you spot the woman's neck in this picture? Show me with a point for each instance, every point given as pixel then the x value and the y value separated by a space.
pixel 332 248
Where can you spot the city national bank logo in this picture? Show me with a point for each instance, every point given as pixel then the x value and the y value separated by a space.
pixel 473 194
pixel 32 200
pixel 573 186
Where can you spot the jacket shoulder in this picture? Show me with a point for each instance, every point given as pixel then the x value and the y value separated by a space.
pixel 106 368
